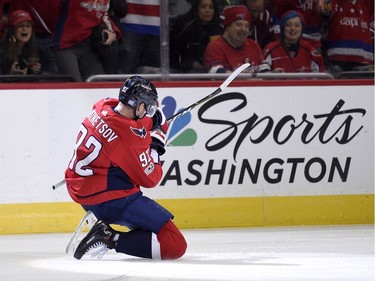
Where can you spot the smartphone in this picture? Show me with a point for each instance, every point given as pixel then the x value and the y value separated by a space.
pixel 22 63
pixel 104 36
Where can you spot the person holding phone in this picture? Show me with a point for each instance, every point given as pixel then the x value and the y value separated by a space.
pixel 19 52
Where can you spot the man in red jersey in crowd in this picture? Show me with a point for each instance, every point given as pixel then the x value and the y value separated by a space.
pixel 117 151
pixel 234 48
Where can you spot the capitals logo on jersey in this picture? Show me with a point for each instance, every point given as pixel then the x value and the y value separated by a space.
pixel 139 132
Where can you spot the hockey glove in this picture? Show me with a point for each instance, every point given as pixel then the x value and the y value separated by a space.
pixel 264 67
pixel 158 141
pixel 159 121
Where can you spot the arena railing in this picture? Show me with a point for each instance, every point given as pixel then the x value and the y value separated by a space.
pixel 35 78
pixel 165 77
pixel 209 76
pixel 355 75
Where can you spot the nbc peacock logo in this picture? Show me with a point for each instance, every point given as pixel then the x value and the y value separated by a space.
pixel 178 133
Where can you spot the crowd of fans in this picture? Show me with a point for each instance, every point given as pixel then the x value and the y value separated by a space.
pixel 83 38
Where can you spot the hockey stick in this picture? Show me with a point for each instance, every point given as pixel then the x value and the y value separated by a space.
pixel 57 185
pixel 214 93
pixel 189 108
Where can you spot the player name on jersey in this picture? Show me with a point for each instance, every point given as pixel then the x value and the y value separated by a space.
pixel 101 126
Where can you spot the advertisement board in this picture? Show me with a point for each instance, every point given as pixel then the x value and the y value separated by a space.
pixel 257 149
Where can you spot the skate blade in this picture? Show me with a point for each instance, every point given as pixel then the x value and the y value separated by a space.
pixel 98 252
pixel 86 223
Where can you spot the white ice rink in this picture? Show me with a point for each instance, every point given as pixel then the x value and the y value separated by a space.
pixel 337 253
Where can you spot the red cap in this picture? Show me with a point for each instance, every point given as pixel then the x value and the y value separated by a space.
pixel 233 13
pixel 18 16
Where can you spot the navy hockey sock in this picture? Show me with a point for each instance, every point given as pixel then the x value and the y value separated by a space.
pixel 135 243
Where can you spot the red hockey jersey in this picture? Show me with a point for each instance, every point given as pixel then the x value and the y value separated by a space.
pixel 305 60
pixel 349 34
pixel 219 53
pixel 77 20
pixel 111 158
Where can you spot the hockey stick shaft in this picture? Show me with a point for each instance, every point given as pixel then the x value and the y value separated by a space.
pixel 57 185
pixel 189 108
pixel 214 93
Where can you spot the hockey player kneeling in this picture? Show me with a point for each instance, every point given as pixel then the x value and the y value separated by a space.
pixel 117 151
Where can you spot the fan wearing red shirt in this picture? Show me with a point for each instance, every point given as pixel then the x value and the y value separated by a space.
pixel 117 151
pixel 314 18
pixel 234 48
pixel 82 26
pixel 349 42
pixel 291 53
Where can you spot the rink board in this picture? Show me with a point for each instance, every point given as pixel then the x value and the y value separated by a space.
pixel 206 213
pixel 260 154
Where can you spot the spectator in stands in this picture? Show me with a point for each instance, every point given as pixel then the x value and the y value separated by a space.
pixel 313 18
pixel 224 3
pixel 291 53
pixel 81 29
pixel 3 6
pixel 349 43
pixel 44 14
pixel 190 35
pixel 140 45
pixel 372 27
pixel 261 29
pixel 177 7
pixel 234 48
pixel 19 52
pixel 118 9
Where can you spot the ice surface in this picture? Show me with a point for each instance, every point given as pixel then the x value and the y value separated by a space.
pixel 279 253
